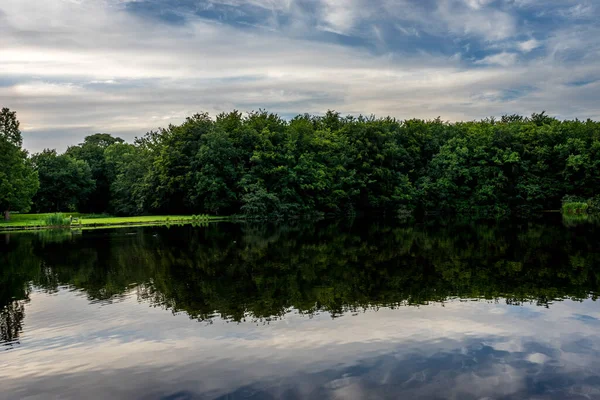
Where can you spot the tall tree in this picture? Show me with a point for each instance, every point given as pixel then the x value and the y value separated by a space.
pixel 92 151
pixel 173 172
pixel 128 167
pixel 9 127
pixel 18 180
pixel 64 181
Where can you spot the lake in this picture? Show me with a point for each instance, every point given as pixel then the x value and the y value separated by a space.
pixel 326 310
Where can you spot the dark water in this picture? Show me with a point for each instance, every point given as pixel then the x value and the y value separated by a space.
pixel 316 311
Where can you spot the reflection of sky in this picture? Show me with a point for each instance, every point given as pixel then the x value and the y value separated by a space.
pixel 456 350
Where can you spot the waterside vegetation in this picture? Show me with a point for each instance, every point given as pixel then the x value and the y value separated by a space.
pixel 88 221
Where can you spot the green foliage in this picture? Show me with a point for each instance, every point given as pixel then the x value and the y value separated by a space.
pixel 18 180
pixel 57 219
pixel 577 205
pixel 64 181
pixel 216 173
pixel 574 208
pixel 128 165
pixel 92 152
pixel 594 205
pixel 261 166
pixel 9 127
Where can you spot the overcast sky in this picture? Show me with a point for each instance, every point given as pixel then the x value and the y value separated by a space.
pixel 75 67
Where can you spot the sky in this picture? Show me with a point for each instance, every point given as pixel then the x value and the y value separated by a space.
pixel 70 68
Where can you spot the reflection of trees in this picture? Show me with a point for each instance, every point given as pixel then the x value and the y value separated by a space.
pixel 240 271
pixel 18 267
pixel 11 321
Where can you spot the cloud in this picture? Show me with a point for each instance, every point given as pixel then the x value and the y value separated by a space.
pixel 503 59
pixel 581 10
pixel 528 45
pixel 477 20
pixel 339 16
pixel 122 67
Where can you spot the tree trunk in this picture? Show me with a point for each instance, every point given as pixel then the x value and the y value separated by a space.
pixel 7 215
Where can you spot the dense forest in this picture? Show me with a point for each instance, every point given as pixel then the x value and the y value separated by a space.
pixel 260 165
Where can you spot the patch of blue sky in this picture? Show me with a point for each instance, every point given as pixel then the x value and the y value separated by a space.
pixel 6 81
pixel 583 82
pixel 378 31
pixel 156 10
pixel 515 93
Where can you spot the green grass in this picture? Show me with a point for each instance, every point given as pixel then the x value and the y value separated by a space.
pixel 136 220
pixel 29 221
pixel 57 220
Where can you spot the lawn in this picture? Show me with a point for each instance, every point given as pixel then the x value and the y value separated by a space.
pixel 29 219
pixel 108 220
pixel 96 220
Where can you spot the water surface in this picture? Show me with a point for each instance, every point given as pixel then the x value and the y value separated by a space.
pixel 304 311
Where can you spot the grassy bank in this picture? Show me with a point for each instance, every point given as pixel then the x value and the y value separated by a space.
pixel 86 221
pixel 575 208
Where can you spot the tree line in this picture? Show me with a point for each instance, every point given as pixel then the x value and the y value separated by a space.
pixel 260 165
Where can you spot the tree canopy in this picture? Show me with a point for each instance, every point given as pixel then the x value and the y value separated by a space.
pixel 92 152
pixel 18 180
pixel 65 182
pixel 262 166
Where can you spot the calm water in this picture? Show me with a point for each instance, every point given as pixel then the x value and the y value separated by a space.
pixel 317 311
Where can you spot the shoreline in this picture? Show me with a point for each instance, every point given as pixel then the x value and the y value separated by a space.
pixel 119 223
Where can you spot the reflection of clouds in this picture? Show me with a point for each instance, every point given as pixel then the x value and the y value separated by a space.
pixel 587 319
pixel 460 350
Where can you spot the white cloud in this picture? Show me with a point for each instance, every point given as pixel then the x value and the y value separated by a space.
pixel 478 4
pixel 528 45
pixel 91 66
pixel 581 10
pixel 339 16
pixel 488 23
pixel 458 17
pixel 503 59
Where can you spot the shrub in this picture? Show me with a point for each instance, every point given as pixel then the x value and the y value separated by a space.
pixel 574 208
pixel 404 213
pixel 573 199
pixel 594 205
pixel 57 219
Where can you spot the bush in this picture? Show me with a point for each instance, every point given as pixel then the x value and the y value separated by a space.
pixel 594 205
pixel 404 213
pixel 574 208
pixel 573 199
pixel 57 219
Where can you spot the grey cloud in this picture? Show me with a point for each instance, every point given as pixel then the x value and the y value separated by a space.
pixel 70 69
